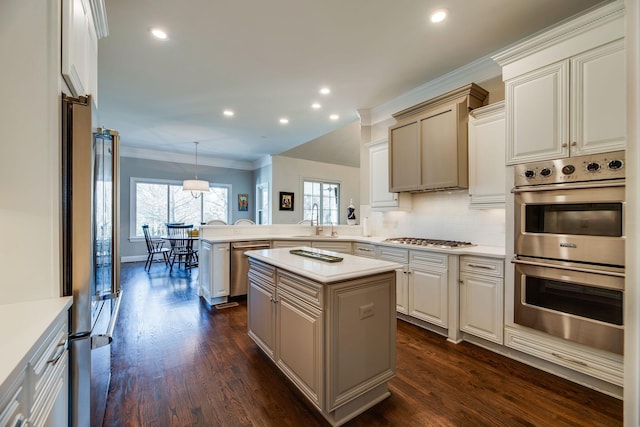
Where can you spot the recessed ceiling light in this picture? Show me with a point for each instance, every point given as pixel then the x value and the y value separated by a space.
pixel 228 113
pixel 284 121
pixel 325 91
pixel 316 106
pixel 334 117
pixel 439 15
pixel 159 34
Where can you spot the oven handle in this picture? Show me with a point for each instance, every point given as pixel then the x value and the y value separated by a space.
pixel 568 186
pixel 516 260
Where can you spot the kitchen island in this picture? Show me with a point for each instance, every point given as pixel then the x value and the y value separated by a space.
pixel 329 324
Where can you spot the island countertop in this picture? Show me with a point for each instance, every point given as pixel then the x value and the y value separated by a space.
pixel 350 267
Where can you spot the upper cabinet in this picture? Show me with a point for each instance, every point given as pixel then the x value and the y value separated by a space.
pixel 380 197
pixel 428 146
pixel 565 89
pixel 487 180
pixel 83 23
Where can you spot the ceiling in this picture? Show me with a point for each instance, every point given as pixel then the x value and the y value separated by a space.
pixel 268 59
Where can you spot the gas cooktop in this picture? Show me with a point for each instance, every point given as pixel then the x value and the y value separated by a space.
pixel 436 243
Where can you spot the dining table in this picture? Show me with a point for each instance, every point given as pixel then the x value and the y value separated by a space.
pixel 183 248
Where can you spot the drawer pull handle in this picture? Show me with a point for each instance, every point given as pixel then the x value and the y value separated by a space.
pixel 570 359
pixel 365 249
pixel 65 345
pixel 486 267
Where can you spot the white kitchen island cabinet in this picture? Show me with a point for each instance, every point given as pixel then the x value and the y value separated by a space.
pixel 214 279
pixel 329 327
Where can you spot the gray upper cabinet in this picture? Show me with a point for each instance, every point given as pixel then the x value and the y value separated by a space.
pixel 428 145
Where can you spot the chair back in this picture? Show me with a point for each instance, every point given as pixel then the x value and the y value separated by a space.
pixel 216 222
pixel 147 237
pixel 244 221
pixel 179 237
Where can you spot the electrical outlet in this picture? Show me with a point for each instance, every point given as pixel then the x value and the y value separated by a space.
pixel 366 311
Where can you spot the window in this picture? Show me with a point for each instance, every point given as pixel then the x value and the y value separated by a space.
pixel 327 196
pixel 156 202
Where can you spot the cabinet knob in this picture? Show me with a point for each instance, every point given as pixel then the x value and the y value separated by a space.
pixel 574 143
pixel 565 145
pixel 461 282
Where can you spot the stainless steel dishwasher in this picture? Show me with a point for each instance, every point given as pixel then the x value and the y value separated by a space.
pixel 240 264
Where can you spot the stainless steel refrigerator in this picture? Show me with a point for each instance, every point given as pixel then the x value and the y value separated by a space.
pixel 91 265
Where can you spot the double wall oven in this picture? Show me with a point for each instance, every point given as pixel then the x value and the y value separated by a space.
pixel 569 244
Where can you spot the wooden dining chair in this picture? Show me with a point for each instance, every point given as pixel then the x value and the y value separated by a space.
pixel 181 246
pixel 154 246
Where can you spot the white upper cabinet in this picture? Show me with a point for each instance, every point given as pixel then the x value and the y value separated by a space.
pixel 380 197
pixel 83 23
pixel 486 156
pixel 565 89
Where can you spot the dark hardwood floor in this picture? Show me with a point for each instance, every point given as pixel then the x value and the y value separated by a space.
pixel 176 362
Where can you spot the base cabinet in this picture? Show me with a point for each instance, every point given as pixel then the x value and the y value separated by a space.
pixel 481 297
pixel 215 260
pixel 428 287
pixel 319 335
pixel 38 393
pixel 400 256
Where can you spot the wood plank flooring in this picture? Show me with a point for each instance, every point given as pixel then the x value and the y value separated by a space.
pixel 176 362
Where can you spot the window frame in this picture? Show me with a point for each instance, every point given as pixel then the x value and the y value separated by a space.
pixel 133 197
pixel 322 183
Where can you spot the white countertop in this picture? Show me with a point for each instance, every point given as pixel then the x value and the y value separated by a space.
pixel 22 325
pixel 350 267
pixel 479 250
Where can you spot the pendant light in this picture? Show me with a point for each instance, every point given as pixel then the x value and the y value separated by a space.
pixel 196 186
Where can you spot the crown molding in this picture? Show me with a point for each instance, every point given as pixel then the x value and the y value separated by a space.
pixel 164 156
pixel 264 161
pixel 477 71
pixel 565 30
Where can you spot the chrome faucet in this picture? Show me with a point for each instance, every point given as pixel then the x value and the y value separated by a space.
pixel 318 226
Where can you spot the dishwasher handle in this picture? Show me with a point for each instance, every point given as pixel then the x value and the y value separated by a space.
pixel 250 245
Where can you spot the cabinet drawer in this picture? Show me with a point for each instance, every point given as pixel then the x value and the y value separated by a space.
pixel 304 289
pixel 428 258
pixel 393 254
pixel 12 403
pixel 263 271
pixel 42 365
pixel 364 249
pixel 607 368
pixel 290 243
pixel 342 247
pixel 480 265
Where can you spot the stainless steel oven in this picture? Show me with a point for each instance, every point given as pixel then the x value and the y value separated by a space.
pixel 569 244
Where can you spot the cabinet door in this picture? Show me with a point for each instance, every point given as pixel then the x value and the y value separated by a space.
pixel 487 179
pixel 428 295
pixel 439 149
pixel 598 100
pixel 220 270
pixel 481 306
pixel 537 114
pixel 379 177
pixel 402 291
pixel 75 29
pixel 299 335
pixel 204 278
pixel 261 314
pixel 404 157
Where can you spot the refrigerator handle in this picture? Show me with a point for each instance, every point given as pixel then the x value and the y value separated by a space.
pixel 101 340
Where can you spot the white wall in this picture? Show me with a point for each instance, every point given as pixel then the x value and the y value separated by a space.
pixel 288 175
pixel 29 171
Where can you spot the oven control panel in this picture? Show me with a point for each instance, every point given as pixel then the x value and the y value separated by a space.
pixel 594 167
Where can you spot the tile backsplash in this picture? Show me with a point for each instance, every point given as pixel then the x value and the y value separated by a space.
pixel 441 215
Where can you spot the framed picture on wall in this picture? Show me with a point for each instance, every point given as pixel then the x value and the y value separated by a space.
pixel 243 202
pixel 286 201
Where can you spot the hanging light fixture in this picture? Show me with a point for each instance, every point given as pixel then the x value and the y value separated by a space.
pixel 196 186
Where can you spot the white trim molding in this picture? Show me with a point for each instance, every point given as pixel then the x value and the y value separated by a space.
pixel 164 156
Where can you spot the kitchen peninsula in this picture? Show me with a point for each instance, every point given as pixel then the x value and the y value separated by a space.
pixel 329 324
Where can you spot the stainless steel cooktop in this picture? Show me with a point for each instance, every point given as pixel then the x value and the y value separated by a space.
pixel 436 243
